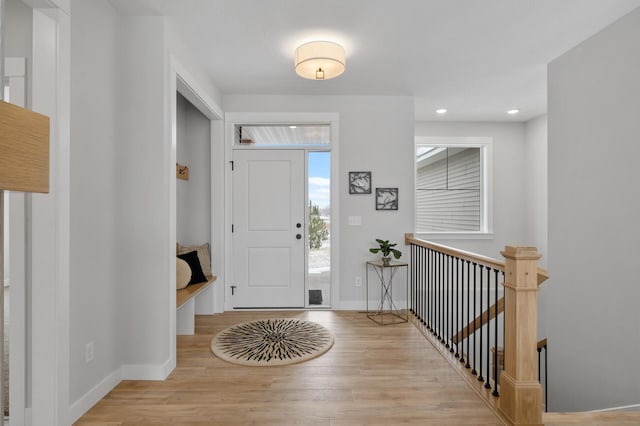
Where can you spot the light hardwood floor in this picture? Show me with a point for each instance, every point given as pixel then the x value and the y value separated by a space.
pixel 373 375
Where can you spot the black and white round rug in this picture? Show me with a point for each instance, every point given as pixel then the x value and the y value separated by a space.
pixel 269 342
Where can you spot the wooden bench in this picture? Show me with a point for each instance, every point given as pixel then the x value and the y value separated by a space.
pixel 195 299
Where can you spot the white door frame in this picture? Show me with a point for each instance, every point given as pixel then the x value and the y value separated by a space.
pixel 15 236
pixel 283 118
pixel 181 80
pixel 45 263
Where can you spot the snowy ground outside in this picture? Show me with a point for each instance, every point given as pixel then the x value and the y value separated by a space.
pixel 320 271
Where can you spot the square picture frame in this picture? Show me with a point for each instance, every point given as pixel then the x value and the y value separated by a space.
pixel 386 198
pixel 359 182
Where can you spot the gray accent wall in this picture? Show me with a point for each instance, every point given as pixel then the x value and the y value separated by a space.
pixel 193 196
pixel 592 313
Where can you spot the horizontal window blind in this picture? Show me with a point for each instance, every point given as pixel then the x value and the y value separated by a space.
pixel 448 191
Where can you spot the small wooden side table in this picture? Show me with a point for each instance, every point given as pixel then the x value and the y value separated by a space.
pixel 386 312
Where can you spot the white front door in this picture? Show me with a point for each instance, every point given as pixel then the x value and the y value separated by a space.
pixel 269 228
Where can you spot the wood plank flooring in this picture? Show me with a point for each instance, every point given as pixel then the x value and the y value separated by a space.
pixel 373 375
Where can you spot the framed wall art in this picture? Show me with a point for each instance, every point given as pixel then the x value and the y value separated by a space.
pixel 359 182
pixel 386 198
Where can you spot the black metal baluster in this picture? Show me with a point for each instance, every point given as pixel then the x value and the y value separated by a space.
pixel 425 282
pixel 546 379
pixel 445 276
pixel 425 285
pixel 462 318
pixel 451 306
pixel 420 260
pixel 434 293
pixel 487 384
pixel 539 370
pixel 450 303
pixel 480 378
pixel 413 278
pixel 420 283
pixel 431 287
pixel 504 358
pixel 441 312
pixel 495 339
pixel 475 290
pixel 468 321
pixel 436 311
pixel 457 329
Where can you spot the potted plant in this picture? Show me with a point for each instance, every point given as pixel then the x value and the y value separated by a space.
pixel 386 249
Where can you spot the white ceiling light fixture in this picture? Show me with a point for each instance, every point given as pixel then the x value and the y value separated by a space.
pixel 441 111
pixel 320 60
pixel 513 111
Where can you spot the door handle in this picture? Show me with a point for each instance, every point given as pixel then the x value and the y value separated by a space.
pixel 298 236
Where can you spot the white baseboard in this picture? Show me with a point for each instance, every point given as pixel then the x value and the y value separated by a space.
pixel 126 372
pixel 89 399
pixel 350 305
pixel 148 372
pixel 634 407
pixel 360 305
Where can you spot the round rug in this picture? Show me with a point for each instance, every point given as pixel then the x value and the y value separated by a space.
pixel 269 342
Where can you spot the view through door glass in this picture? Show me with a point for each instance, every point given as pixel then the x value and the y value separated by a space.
pixel 319 272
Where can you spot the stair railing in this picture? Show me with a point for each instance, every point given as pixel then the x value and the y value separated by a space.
pixel 458 297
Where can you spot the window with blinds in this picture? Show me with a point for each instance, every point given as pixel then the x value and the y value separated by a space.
pixel 448 189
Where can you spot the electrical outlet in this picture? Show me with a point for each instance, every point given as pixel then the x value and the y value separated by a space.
pixel 88 352
pixel 358 282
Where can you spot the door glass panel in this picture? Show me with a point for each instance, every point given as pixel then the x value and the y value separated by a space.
pixel 319 271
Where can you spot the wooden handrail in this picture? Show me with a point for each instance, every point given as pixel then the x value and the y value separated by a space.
pixel 466 255
pixel 409 238
pixel 542 343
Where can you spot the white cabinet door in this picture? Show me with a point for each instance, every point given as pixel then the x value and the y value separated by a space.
pixel 269 228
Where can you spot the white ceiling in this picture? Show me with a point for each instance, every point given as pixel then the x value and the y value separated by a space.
pixel 477 58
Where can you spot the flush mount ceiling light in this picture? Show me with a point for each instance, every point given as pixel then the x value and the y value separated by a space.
pixel 441 111
pixel 513 111
pixel 320 60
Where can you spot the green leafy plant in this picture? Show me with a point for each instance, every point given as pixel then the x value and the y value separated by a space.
pixel 386 249
pixel 318 231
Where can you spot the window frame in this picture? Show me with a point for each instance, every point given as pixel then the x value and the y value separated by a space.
pixel 485 144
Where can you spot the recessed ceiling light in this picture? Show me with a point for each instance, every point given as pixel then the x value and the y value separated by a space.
pixel 441 111
pixel 513 111
pixel 293 127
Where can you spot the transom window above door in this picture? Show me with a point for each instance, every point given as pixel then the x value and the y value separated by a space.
pixel 283 135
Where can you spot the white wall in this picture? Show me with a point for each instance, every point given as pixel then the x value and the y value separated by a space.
pixel 193 196
pixel 535 185
pixel 593 294
pixel 93 289
pixel 121 175
pixel 18 37
pixel 535 214
pixel 375 133
pixel 508 182
pixel 142 206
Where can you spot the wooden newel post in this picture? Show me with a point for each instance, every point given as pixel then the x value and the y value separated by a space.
pixel 521 394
